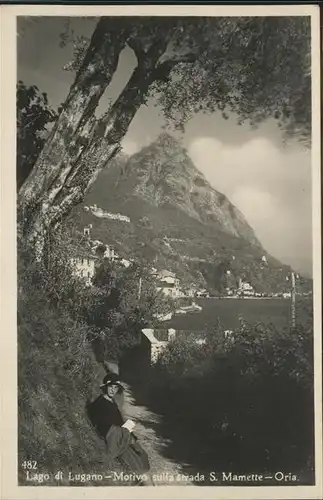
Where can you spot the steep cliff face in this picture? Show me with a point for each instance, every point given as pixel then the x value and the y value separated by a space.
pixel 171 217
pixel 164 175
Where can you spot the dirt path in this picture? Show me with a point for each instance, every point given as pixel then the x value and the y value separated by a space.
pixel 162 468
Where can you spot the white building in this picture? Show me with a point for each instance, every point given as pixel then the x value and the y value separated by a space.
pixel 245 288
pixel 109 253
pixel 191 291
pixel 167 277
pixel 84 267
pixel 126 263
pixel 168 284
pixel 102 214
pixel 154 345
pixel 87 230
pixel 154 342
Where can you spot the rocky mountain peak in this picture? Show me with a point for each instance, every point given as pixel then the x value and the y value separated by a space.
pixel 167 141
pixel 164 175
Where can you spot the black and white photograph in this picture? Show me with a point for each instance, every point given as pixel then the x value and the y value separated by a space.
pixel 167 214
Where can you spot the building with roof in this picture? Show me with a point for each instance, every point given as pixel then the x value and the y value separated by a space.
pixel 168 284
pixel 154 341
pixel 84 267
pixel 83 260
pixel 245 288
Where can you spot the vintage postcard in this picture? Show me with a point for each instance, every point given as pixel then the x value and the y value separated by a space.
pixel 161 252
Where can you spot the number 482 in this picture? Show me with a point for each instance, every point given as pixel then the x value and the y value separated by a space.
pixel 29 464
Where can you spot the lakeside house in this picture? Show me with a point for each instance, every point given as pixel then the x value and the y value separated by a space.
pixel 154 341
pixel 190 292
pixel 168 284
pixel 245 289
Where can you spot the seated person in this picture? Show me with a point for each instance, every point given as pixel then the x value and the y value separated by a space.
pixel 122 444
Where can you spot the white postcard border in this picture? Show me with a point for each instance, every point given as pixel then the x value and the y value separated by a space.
pixel 9 489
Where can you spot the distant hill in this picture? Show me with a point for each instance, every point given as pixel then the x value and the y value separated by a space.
pixel 178 221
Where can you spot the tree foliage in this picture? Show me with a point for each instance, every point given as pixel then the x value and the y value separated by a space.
pixel 125 301
pixel 257 68
pixel 34 115
pixel 227 65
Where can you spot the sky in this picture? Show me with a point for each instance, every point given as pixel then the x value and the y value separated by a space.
pixel 268 181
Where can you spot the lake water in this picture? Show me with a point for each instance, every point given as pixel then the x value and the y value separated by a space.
pixel 276 311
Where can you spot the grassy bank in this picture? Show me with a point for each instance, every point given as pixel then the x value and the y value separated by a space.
pixel 57 375
pixel 66 333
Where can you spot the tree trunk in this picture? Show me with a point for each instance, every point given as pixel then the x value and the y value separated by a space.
pixel 106 139
pixel 79 147
pixel 65 144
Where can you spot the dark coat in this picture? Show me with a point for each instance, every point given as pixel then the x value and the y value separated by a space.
pixel 103 414
pixel 122 445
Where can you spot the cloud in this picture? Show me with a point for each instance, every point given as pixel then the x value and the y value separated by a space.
pixel 271 186
pixel 130 147
pixel 256 204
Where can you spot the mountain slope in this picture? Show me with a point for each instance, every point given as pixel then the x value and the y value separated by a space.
pixel 163 175
pixel 178 221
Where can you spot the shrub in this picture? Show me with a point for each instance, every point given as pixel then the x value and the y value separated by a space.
pixel 124 302
pixel 248 401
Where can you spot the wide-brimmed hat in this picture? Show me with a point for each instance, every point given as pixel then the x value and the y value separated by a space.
pixel 111 379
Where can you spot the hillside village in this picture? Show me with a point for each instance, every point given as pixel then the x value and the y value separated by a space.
pixel 90 254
